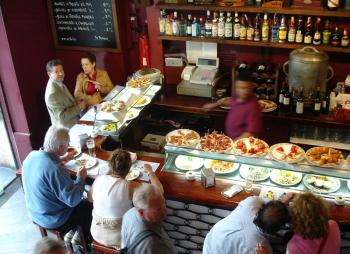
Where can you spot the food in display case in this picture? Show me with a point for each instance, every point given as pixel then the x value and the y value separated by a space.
pixel 187 163
pixel 145 100
pixel 87 162
pixel 324 156
pixel 216 142
pixel 110 127
pixel 182 137
pixel 221 167
pixel 138 83
pixel 254 173
pixel 109 106
pixel 267 105
pixel 251 146
pixel 321 184
pixel 286 152
pixel 285 178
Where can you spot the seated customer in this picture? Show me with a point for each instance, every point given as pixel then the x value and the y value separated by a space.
pixel 314 232
pixel 148 213
pixel 48 245
pixel 53 199
pixel 112 197
pixel 246 226
pixel 92 84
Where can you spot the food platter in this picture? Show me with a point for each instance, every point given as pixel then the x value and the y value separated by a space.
pixel 109 107
pixel 287 152
pixel 251 146
pixel 321 184
pixel 183 138
pixel 221 167
pixel 267 105
pixel 254 173
pixel 216 142
pixel 109 127
pixel 131 114
pixel 87 162
pixel 132 175
pixel 324 156
pixel 285 178
pixel 187 163
pixel 143 101
pixel 140 83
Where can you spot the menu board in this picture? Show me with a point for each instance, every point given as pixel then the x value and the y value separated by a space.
pixel 85 24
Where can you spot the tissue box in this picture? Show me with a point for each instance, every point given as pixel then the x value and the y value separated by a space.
pixel 152 141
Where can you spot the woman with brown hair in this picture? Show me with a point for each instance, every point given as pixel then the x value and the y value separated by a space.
pixel 111 195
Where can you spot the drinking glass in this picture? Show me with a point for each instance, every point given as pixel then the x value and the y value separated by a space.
pixel 248 187
pixel 90 143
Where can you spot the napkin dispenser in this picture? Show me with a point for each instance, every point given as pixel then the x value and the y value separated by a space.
pixel 207 177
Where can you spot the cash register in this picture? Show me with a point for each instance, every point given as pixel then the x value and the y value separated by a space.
pixel 200 80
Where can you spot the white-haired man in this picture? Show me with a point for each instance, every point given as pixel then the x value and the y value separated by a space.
pixel 147 215
pixel 53 199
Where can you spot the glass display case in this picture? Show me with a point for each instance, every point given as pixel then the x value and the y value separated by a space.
pixel 262 172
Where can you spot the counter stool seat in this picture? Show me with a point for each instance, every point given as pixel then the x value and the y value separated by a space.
pixel 102 249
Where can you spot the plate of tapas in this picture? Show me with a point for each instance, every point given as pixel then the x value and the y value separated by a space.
pixel 143 101
pixel 285 177
pixel 321 184
pixel 87 162
pixel 187 163
pixel 216 142
pixel 221 167
pixel 287 152
pixel 182 137
pixel 109 106
pixel 324 156
pixel 131 114
pixel 254 173
pixel 140 83
pixel 132 175
pixel 267 105
pixel 251 147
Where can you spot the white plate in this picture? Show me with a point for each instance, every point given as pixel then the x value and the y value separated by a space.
pixel 274 176
pixel 131 114
pixel 286 147
pixel 148 100
pixel 132 175
pixel 249 146
pixel 184 162
pixel 268 109
pixel 328 165
pixel 313 188
pixel 208 164
pixel 183 132
pixel 264 173
pixel 90 162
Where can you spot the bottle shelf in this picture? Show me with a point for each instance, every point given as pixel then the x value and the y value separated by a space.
pixel 255 43
pixel 307 11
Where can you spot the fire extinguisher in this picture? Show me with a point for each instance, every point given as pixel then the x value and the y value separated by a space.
pixel 144 50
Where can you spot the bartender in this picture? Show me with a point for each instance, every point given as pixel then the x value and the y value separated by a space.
pixel 244 119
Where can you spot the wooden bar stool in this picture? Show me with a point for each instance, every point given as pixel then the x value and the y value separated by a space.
pixel 101 249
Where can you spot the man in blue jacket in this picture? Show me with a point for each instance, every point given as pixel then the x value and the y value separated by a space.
pixel 53 199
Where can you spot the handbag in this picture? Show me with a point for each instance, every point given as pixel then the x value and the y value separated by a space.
pixel 139 238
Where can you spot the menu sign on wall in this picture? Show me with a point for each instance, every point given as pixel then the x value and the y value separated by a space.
pixel 85 24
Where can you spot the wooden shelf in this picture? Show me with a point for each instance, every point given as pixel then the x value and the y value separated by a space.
pixel 254 43
pixel 307 11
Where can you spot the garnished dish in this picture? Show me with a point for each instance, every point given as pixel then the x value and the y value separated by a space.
pixel 286 152
pixel 142 102
pixel 321 184
pixel 267 105
pixel 108 106
pixel 216 142
pixel 285 178
pixel 187 163
pixel 182 137
pixel 324 156
pixel 131 114
pixel 221 167
pixel 250 146
pixel 254 173
pixel 138 83
pixel 87 162
pixel 110 127
pixel 133 174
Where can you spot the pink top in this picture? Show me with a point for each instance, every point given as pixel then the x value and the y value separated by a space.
pixel 243 117
pixel 298 245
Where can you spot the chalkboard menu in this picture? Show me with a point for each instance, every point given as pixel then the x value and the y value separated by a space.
pixel 85 24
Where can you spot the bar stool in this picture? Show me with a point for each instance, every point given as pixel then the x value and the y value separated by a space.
pixel 101 249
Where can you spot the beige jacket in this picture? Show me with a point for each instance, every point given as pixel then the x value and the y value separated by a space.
pixel 82 82
pixel 61 105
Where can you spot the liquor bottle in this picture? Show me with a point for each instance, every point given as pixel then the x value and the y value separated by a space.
pixel 168 26
pixel 274 29
pixel 257 28
pixel 243 28
pixel 161 22
pixel 335 36
pixel 281 94
pixel 345 38
pixel 308 31
pixel 299 108
pixel 202 27
pixel 265 30
pixel 196 30
pixel 183 26
pixel 221 26
pixel 176 25
pixel 236 27
pixel 287 99
pixel 214 26
pixel 208 26
pixel 317 103
pixel 282 32
pixel 325 104
pixel 228 26
pixel 326 34
pixel 291 30
pixel 300 31
pixel 333 5
pixel 250 30
pixel 189 25
pixel 317 34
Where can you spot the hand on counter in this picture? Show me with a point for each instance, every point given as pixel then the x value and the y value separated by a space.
pixel 226 101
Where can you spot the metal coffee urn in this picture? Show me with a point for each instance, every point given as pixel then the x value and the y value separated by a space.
pixel 307 70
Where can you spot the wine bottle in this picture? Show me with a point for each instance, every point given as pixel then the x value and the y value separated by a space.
pixel 291 30
pixel 189 25
pixel 208 26
pixel 161 22
pixel 243 28
pixel 265 28
pixel 299 109
pixel 326 33
pixel 286 99
pixel 196 30
pixel 308 31
pixel 336 36
pixel 214 27
pixel 228 26
pixel 257 28
pixel 183 26
pixel 345 38
pixel 300 31
pixel 202 27
pixel 274 29
pixel 250 30
pixel 221 26
pixel 168 26
pixel 317 35
pixel 317 103
pixel 281 93
pixel 282 32
pixel 176 25
pixel 325 103
pixel 236 27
